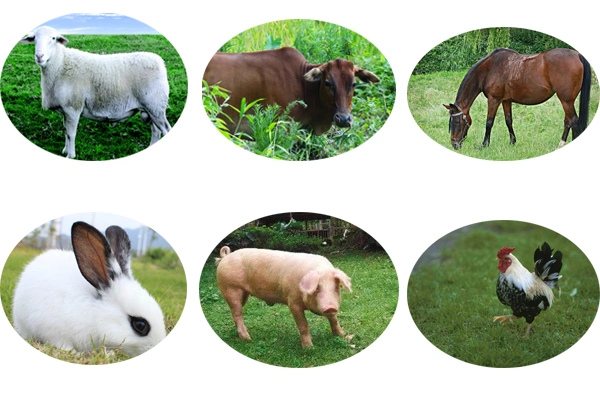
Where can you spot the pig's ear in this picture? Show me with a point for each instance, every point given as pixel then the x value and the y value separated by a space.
pixel 344 279
pixel 310 282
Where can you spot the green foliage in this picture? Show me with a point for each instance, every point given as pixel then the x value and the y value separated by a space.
pixel 275 134
pixel 365 314
pixel 272 43
pixel 464 50
pixel 214 99
pixel 21 96
pixel 162 258
pixel 452 298
pixel 276 237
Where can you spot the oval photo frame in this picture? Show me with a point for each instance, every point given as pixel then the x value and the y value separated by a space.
pixel 453 301
pixel 298 90
pixel 123 68
pixel 275 258
pixel 448 88
pixel 66 303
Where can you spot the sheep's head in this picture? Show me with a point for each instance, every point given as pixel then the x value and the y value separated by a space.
pixel 46 39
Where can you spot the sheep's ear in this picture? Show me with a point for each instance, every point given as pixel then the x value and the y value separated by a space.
pixel 28 39
pixel 62 40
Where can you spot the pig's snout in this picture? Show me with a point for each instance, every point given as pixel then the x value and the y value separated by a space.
pixel 331 309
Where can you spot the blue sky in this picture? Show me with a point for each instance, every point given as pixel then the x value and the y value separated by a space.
pixel 101 23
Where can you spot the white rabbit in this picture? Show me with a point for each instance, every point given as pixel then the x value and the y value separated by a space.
pixel 99 303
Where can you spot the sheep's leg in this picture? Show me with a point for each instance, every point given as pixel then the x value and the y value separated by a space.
pixel 159 124
pixel 155 134
pixel 70 121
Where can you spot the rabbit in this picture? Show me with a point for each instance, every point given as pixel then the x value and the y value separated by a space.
pixel 85 298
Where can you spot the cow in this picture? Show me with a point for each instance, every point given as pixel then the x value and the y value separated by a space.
pixel 283 76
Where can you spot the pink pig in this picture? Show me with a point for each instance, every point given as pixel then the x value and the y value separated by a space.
pixel 302 281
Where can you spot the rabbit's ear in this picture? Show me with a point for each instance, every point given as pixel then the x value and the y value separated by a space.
pixel 121 247
pixel 93 255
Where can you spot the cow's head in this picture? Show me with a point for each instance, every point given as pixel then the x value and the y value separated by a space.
pixel 338 79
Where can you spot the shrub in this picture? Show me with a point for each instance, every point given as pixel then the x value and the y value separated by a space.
pixel 462 51
pixel 275 237
pixel 163 258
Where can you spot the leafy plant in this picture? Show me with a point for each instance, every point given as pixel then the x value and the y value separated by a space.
pixel 214 99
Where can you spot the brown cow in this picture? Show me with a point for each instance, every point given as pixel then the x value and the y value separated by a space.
pixel 282 76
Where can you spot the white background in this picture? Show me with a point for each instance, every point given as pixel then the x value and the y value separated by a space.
pixel 401 187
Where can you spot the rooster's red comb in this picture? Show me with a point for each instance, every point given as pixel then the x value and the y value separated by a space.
pixel 503 252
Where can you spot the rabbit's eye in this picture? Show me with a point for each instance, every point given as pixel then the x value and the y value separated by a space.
pixel 140 325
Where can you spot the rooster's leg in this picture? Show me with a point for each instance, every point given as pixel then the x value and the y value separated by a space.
pixel 504 318
pixel 527 331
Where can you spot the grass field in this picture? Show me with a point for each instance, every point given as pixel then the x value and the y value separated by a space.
pixel 167 286
pixel 452 297
pixel 21 97
pixel 538 128
pixel 364 315
pixel 319 42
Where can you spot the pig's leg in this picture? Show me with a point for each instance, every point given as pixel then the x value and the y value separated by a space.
pixel 302 323
pixel 335 325
pixel 236 299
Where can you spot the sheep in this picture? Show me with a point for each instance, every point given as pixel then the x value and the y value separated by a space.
pixel 108 88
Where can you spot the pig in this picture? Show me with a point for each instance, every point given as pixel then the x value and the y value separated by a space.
pixel 302 281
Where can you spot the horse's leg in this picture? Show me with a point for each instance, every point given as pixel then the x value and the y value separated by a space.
pixel 571 122
pixel 507 107
pixel 493 105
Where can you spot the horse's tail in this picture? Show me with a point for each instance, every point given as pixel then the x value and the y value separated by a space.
pixel 584 97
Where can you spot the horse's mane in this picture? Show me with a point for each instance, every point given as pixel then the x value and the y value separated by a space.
pixel 474 68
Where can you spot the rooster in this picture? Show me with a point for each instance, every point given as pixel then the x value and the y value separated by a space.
pixel 527 293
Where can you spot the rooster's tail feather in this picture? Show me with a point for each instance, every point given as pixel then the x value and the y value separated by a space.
pixel 547 266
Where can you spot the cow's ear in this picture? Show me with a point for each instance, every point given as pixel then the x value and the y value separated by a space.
pixel 314 75
pixel 365 76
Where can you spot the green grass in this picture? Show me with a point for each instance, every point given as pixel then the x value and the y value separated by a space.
pixel 167 286
pixel 538 128
pixel 319 42
pixel 452 298
pixel 364 315
pixel 22 99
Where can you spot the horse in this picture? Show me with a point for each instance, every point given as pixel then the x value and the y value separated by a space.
pixel 506 76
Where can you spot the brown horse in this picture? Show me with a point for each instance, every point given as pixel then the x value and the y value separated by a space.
pixel 506 76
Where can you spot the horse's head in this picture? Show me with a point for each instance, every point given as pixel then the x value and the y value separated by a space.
pixel 460 122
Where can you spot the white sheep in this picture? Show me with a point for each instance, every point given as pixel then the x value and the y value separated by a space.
pixel 109 88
